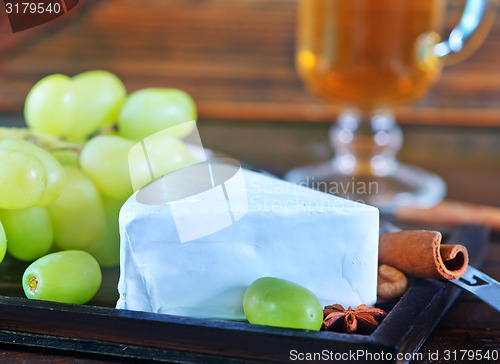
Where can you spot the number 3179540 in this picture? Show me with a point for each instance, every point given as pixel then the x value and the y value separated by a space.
pixel 32 7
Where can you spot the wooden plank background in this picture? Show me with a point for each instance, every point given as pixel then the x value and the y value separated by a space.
pixel 235 57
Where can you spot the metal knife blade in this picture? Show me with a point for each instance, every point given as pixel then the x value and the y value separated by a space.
pixel 480 285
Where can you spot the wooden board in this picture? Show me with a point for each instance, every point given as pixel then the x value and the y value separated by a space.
pixel 147 336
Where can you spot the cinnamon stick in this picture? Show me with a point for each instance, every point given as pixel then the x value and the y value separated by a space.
pixel 452 213
pixel 420 253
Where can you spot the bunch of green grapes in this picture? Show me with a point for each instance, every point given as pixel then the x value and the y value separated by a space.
pixel 64 178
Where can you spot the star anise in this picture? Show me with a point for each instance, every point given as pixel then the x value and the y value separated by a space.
pixel 362 320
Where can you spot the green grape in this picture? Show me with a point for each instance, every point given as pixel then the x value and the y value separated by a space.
pixel 13 133
pixel 66 157
pixel 156 156
pixel 105 160
pixel 54 170
pixel 107 253
pixel 77 215
pixel 70 276
pixel 29 232
pixel 47 107
pixel 96 99
pixel 278 302
pixel 22 179
pixel 3 242
pixel 151 110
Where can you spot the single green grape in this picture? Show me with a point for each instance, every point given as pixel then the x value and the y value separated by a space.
pixel 156 156
pixel 47 107
pixel 70 276
pixel 23 179
pixel 3 242
pixel 107 252
pixel 105 160
pixel 55 172
pixel 278 302
pixel 96 100
pixel 29 232
pixel 77 215
pixel 151 110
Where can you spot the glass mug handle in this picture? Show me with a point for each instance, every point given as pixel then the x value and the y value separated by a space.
pixel 467 36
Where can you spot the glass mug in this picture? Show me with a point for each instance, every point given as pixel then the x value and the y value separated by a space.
pixel 369 56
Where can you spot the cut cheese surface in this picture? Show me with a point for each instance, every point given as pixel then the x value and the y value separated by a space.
pixel 278 229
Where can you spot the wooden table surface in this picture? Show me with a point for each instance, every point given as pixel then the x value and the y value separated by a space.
pixel 236 59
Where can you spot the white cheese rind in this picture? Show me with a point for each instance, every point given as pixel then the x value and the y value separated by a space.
pixel 322 242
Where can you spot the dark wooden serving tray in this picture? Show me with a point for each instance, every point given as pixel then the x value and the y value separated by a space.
pixel 130 335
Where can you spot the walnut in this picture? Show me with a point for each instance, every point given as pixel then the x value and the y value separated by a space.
pixel 392 283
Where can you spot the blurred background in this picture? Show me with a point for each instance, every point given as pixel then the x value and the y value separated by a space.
pixel 236 59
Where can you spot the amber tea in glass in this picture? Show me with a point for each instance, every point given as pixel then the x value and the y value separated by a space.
pixel 368 57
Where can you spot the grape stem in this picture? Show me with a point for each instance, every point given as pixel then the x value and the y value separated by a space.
pixel 42 140
pixel 74 148
pixel 106 130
